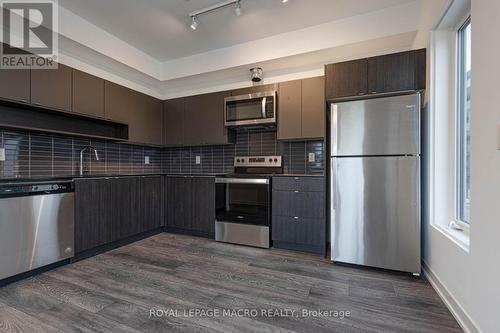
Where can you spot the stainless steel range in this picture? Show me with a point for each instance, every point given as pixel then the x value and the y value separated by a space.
pixel 243 201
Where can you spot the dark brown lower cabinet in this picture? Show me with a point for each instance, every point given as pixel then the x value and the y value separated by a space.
pixel 111 209
pixel 178 202
pixel 298 233
pixel 203 204
pixel 298 206
pixel 191 204
pixel 147 214
pixel 92 223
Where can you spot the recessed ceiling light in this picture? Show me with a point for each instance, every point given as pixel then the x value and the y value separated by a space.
pixel 284 1
pixel 194 23
pixel 237 9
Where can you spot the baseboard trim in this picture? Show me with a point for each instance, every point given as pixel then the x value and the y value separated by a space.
pixel 463 319
pixel 114 245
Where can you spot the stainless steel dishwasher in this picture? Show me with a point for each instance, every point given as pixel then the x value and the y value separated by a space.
pixel 36 225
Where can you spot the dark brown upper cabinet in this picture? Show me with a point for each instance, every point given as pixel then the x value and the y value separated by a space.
pixel 173 122
pixel 347 78
pixel 290 110
pixel 119 102
pixel 52 88
pixel 392 72
pixel 204 120
pixel 15 84
pixel 420 68
pixel 301 109
pixel 196 120
pixel 146 120
pixel 313 108
pixel 194 128
pixel 383 74
pixel 88 94
pixel 254 89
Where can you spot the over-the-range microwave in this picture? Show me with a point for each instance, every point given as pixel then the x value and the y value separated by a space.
pixel 257 109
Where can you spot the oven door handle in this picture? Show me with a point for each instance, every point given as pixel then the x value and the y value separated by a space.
pixel 264 103
pixel 258 181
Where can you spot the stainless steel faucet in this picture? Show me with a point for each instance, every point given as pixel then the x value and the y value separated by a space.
pixel 81 157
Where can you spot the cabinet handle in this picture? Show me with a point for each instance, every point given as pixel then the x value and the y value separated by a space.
pixel 296 178
pixel 373 92
pixel 361 93
pixel 295 217
pixel 295 191
pixel 37 103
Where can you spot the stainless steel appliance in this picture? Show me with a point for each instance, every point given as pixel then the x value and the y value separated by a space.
pixel 36 226
pixel 257 109
pixel 375 182
pixel 243 201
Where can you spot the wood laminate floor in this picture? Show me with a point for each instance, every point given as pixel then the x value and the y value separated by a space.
pixel 116 291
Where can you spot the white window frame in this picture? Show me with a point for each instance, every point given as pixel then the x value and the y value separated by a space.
pixel 458 124
pixel 440 149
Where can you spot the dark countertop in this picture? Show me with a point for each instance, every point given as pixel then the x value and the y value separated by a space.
pixel 61 179
pixel 297 175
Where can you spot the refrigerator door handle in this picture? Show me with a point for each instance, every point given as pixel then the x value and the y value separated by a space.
pixel 334 130
pixel 333 185
pixel 333 207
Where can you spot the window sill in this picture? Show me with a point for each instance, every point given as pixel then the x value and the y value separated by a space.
pixel 459 237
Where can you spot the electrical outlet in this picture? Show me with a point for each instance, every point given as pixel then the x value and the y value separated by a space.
pixel 198 159
pixel 312 157
pixel 2 154
pixel 146 159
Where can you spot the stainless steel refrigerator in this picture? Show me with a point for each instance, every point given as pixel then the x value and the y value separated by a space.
pixel 374 177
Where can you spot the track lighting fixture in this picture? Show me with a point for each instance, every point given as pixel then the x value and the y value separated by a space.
pixel 237 8
pixel 194 23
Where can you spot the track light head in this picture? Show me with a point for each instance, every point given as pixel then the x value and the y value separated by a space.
pixel 237 8
pixel 194 23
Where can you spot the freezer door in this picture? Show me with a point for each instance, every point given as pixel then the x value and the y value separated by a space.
pixel 379 126
pixel 375 212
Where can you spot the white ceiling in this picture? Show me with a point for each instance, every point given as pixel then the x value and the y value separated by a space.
pixel 160 28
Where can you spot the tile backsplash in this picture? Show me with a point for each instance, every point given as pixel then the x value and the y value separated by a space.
pixel 33 154
pixel 30 155
pixel 219 159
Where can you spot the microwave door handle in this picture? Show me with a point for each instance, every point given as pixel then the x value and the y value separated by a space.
pixel 264 102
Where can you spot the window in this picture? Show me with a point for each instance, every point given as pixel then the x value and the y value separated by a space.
pixel 463 122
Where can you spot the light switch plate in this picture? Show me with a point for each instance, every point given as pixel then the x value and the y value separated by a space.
pixel 498 136
pixel 312 157
pixel 146 159
pixel 198 159
pixel 2 154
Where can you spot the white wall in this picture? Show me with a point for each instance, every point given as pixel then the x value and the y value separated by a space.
pixel 472 279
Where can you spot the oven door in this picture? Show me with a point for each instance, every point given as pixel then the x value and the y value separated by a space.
pixel 251 109
pixel 243 200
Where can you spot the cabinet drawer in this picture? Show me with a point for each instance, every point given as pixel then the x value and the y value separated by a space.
pixel 299 204
pixel 312 184
pixel 298 231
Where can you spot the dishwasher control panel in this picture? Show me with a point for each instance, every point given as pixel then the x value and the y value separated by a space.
pixel 25 189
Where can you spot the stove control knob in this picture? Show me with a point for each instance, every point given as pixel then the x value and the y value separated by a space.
pixel 238 160
pixel 270 160
pixel 275 160
pixel 242 160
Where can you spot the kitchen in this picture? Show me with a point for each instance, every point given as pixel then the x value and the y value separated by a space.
pixel 144 188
